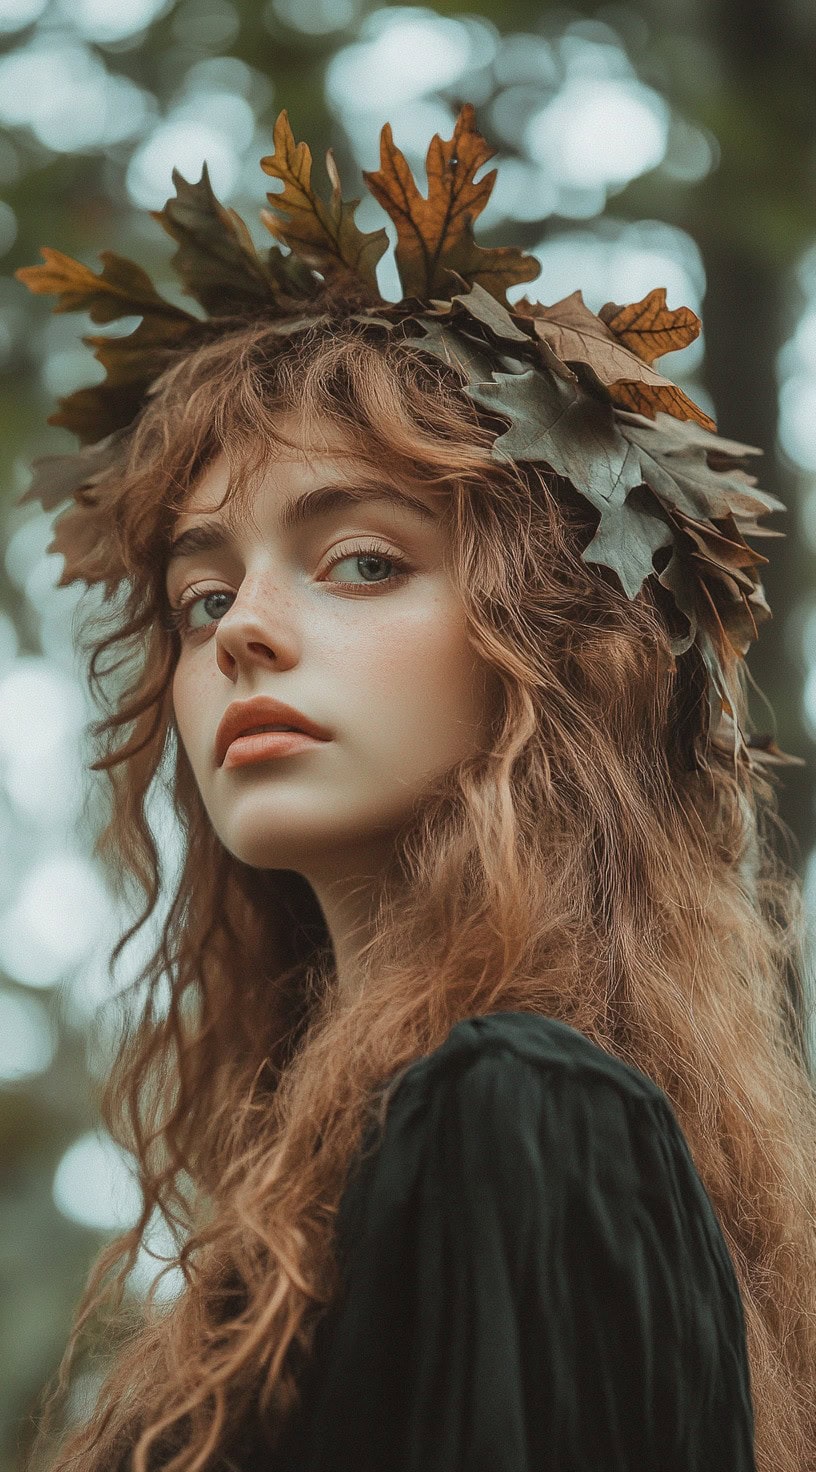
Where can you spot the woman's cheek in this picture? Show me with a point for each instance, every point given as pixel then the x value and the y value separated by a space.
pixel 411 645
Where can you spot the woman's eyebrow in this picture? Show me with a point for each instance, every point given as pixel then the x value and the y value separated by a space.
pixel 212 536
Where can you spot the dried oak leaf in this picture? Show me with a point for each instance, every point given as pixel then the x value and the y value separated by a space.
pixel 435 235
pixel 56 477
pixel 485 310
pixel 720 697
pixel 722 550
pixel 725 568
pixel 675 461
pixel 457 349
pixel 137 358
pixel 714 582
pixel 132 364
pixel 216 259
pixel 580 339
pixel 85 538
pixel 121 289
pixel 92 413
pixel 576 436
pixel 323 235
pixel 650 328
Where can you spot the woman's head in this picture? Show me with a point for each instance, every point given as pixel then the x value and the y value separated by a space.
pixel 459 592
pixel 510 742
pixel 331 591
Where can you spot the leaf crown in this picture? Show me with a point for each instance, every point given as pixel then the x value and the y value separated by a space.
pixel 578 389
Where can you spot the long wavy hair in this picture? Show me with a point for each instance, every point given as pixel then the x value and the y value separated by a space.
pixel 584 867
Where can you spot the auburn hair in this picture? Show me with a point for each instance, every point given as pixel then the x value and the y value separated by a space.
pixel 585 867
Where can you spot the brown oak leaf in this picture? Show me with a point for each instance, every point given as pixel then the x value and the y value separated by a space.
pixel 323 235
pixel 650 328
pixel 579 338
pixel 486 311
pixel 93 413
pixel 139 357
pixel 86 538
pixel 435 235
pixel 725 567
pixel 681 466
pixel 56 477
pixel 216 259
pixel 456 349
pixel 132 363
pixel 122 289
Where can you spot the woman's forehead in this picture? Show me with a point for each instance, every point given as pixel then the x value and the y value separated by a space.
pixel 302 456
pixel 297 473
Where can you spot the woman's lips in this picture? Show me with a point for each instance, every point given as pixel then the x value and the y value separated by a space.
pixel 261 746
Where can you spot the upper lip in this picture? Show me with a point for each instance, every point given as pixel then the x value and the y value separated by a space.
pixel 244 716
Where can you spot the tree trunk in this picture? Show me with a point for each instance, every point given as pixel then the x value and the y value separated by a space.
pixel 744 325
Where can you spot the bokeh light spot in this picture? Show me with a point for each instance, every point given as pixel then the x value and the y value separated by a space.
pixel 8 227
pixel 95 1185
pixel 157 1250
pixel 797 419
pixel 112 20
pixel 42 708
pixel 27 1037
pixel 312 17
pixel 206 24
pixel 619 263
pixel 9 642
pixel 53 921
pixel 600 133
pixel 214 128
pixel 15 14
pixel 44 711
pixel 63 92
pixel 404 53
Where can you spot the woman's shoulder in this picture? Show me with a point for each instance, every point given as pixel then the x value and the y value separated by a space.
pixel 521 1108
pixel 513 1092
pixel 526 1045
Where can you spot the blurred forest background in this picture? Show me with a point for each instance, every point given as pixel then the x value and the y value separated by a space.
pixel 640 144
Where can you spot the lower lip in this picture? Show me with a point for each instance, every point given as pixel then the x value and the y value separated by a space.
pixel 261 746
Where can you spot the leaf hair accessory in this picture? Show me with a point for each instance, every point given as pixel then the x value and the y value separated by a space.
pixel 578 390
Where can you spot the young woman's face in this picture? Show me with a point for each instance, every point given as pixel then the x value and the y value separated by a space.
pixel 323 594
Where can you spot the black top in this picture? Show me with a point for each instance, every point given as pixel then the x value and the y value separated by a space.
pixel 534 1278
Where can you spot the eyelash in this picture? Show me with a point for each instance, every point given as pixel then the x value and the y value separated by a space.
pixel 179 614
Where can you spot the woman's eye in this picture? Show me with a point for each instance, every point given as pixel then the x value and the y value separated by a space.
pixel 370 565
pixel 199 612
pixel 212 605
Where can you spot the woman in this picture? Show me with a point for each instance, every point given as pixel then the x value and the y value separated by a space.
pixel 480 1106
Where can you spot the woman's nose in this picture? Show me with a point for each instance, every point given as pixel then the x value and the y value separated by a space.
pixel 250 633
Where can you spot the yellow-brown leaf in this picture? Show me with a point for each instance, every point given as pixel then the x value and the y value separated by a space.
pixel 122 289
pixel 323 235
pixel 435 235
pixel 577 336
pixel 654 398
pixel 650 328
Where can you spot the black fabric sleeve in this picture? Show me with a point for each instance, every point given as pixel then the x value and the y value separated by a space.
pixel 537 1282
